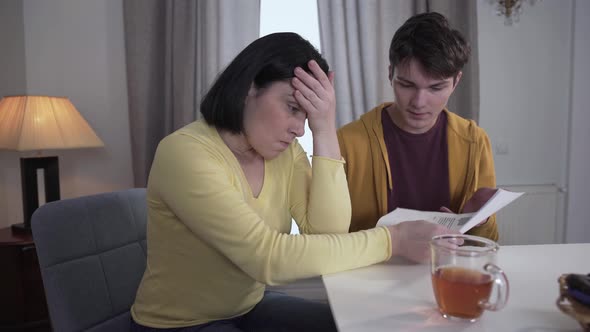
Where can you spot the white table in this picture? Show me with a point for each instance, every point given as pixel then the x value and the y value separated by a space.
pixel 397 296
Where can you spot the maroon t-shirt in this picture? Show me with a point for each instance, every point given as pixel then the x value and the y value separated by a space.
pixel 419 166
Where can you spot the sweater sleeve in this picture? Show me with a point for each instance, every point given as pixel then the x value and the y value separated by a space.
pixel 192 179
pixel 320 203
pixel 485 177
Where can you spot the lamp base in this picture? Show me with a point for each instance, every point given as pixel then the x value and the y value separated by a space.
pixel 28 172
pixel 21 228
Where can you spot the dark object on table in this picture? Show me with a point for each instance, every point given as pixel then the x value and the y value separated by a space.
pixel 569 303
pixel 578 286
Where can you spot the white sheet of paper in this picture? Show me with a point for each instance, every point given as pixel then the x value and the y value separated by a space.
pixel 460 222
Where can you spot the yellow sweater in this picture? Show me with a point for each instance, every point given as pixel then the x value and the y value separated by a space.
pixel 471 166
pixel 212 246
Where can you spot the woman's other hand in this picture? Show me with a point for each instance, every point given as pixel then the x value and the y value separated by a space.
pixel 411 239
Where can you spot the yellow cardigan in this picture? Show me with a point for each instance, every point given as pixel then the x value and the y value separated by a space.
pixel 471 166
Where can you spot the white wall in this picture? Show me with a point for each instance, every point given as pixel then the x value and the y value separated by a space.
pixel 12 62
pixel 535 79
pixel 525 84
pixel 529 85
pixel 578 227
pixel 12 82
pixel 75 48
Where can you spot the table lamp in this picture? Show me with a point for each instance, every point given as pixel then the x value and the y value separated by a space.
pixel 36 123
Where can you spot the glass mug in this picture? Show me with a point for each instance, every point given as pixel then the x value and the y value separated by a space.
pixel 464 275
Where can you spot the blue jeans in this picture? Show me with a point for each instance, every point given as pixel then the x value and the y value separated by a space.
pixel 276 312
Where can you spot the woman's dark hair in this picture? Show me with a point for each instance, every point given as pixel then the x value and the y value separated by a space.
pixel 266 60
pixel 429 39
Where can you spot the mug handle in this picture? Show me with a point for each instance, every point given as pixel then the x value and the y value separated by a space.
pixel 502 288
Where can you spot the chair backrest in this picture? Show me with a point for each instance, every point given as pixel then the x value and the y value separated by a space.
pixel 92 254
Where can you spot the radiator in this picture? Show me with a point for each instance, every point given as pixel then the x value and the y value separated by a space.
pixel 534 218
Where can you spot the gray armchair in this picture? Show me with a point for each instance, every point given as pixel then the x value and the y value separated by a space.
pixel 92 253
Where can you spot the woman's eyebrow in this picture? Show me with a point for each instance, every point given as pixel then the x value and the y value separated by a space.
pixel 288 95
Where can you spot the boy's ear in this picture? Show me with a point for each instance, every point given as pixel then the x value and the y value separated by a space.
pixel 457 79
pixel 390 69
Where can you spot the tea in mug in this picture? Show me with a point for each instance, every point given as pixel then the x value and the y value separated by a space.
pixel 459 291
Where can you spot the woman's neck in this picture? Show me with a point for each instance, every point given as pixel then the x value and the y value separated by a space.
pixel 239 146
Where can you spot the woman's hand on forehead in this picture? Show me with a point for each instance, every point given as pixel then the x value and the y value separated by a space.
pixel 315 93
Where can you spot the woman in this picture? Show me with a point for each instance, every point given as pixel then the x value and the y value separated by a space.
pixel 222 192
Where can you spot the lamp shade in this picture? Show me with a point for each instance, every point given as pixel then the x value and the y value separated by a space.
pixel 43 123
